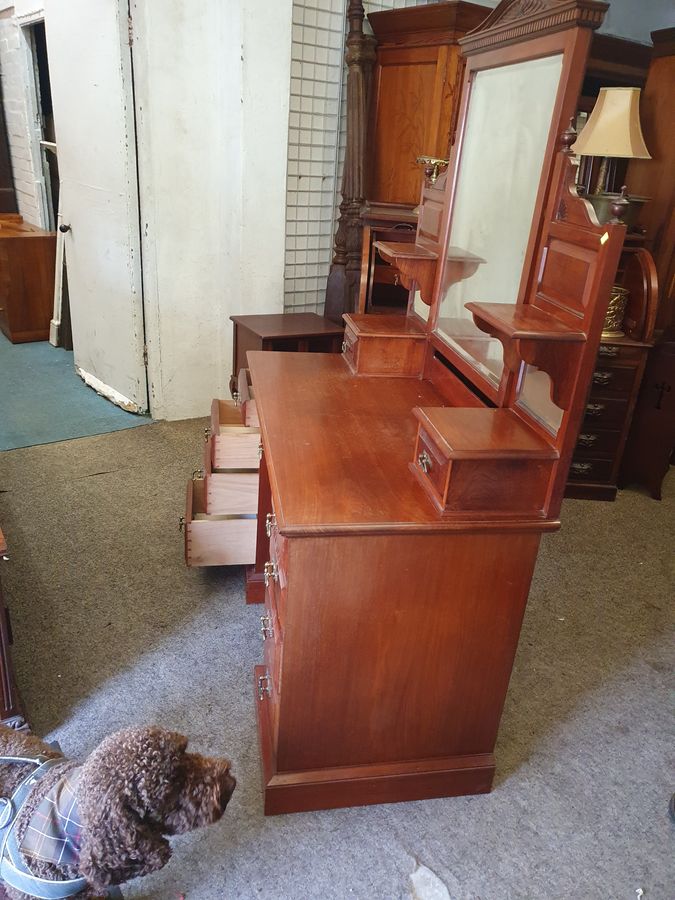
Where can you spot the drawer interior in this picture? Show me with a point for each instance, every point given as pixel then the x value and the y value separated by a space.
pixel 216 540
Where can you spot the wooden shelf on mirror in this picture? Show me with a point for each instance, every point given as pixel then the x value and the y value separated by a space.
pixel 415 263
pixel 522 322
pixel 532 335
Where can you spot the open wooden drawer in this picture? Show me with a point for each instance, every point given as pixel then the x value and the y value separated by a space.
pixel 232 444
pixel 232 489
pixel 246 398
pixel 216 540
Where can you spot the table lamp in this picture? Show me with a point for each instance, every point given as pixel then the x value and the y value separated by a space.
pixel 612 131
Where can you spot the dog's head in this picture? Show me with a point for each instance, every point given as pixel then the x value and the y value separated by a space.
pixel 136 787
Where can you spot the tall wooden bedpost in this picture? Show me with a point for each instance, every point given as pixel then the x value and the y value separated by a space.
pixel 343 278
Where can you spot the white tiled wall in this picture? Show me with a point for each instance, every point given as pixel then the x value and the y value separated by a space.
pixel 316 145
pixel 20 117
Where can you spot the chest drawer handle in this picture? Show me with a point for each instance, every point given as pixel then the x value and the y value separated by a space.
pixel 264 686
pixel 345 345
pixel 587 440
pixel 270 523
pixel 595 409
pixel 181 524
pixel 236 396
pixel 424 462
pixel 611 352
pixel 271 573
pixel 207 433
pixel 580 468
pixel 266 627
pixel 602 377
pixel 260 450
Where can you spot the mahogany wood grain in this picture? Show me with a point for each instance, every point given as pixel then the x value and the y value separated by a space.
pixel 385 345
pixel 255 578
pixel 27 260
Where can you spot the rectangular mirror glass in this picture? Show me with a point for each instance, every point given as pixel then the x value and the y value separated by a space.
pixel 507 126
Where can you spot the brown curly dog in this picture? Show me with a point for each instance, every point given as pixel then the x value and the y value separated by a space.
pixel 138 786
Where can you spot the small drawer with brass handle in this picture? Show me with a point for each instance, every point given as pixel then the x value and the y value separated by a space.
pixel 598 442
pixel 590 470
pixel 621 354
pixel 608 412
pixel 612 381
pixel 432 465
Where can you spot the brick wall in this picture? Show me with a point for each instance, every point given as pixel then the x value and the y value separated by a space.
pixel 20 115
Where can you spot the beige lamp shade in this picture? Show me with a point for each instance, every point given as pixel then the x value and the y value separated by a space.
pixel 613 128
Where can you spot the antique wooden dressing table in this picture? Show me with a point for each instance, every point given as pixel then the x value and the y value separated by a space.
pixel 405 485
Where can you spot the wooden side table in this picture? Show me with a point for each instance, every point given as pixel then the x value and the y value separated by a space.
pixel 294 332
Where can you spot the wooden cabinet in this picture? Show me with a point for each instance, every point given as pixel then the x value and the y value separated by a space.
pixel 27 260
pixel 417 82
pixel 11 712
pixel 615 384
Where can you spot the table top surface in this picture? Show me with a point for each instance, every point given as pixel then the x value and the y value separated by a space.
pixel 339 446
pixel 286 325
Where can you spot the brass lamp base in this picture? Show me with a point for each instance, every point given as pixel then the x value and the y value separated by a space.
pixel 612 327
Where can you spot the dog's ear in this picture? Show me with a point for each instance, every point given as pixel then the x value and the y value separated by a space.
pixel 121 846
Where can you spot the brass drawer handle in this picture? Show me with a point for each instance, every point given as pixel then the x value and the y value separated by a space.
pixel 198 474
pixel 207 433
pixel 264 686
pixel 595 409
pixel 271 573
pixel 260 450
pixel 602 377
pixel 587 440
pixel 181 524
pixel 236 396
pixel 344 346
pixel 611 352
pixel 581 468
pixel 266 627
pixel 424 462
pixel 270 523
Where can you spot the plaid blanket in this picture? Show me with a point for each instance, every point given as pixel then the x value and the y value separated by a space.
pixel 54 832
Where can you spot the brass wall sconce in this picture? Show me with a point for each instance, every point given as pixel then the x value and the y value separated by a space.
pixel 432 166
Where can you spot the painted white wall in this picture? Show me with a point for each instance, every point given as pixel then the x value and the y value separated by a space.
pixel 212 93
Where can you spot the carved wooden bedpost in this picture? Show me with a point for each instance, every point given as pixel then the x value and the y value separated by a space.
pixel 343 278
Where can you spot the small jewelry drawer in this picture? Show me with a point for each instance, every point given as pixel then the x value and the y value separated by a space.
pixel 432 463
pixel 590 470
pixel 349 348
pixel 216 540
pixel 230 443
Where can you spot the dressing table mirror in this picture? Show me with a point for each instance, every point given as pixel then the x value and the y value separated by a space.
pixel 407 483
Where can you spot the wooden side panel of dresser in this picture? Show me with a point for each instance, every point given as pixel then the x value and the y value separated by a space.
pixel 417 667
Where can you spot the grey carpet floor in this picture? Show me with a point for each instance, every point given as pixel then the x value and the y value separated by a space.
pixel 111 629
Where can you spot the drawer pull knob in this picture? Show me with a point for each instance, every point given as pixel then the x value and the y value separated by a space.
pixel 424 462
pixel 271 573
pixel 587 440
pixel 344 346
pixel 595 409
pixel 207 433
pixel 266 628
pixel 270 523
pixel 581 468
pixel 610 352
pixel 181 524
pixel 264 686
pixel 602 377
